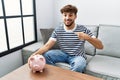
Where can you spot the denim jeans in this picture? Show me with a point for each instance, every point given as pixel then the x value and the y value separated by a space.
pixel 77 63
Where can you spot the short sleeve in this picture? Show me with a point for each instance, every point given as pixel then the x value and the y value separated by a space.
pixel 53 35
pixel 89 33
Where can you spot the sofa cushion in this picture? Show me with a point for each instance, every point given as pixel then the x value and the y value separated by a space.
pixel 109 35
pixel 90 49
pixel 89 57
pixel 104 65
pixel 46 33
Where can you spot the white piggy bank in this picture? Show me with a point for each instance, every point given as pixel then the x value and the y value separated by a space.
pixel 37 63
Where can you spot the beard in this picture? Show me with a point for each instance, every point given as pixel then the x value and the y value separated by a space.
pixel 68 25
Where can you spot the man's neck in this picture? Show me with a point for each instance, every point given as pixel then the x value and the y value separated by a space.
pixel 70 27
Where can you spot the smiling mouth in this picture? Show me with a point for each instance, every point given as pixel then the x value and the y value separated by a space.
pixel 68 24
pixel 68 20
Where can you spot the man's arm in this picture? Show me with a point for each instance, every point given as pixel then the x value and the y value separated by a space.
pixel 50 43
pixel 94 41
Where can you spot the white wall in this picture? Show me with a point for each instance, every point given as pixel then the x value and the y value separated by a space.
pixel 92 12
pixel 10 62
pixel 44 11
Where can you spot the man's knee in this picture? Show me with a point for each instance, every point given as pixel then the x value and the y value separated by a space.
pixel 78 64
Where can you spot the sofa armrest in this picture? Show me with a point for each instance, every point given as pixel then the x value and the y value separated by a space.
pixel 28 50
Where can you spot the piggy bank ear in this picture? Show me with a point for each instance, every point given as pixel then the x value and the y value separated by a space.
pixel 31 59
pixel 41 59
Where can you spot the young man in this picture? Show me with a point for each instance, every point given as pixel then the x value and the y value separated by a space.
pixel 71 38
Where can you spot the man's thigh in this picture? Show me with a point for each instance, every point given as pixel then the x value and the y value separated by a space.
pixel 56 56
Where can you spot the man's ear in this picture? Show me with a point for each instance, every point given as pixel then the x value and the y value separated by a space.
pixel 75 16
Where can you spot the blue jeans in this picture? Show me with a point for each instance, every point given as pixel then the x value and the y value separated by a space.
pixel 77 63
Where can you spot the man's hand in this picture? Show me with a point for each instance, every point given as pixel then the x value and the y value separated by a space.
pixel 82 35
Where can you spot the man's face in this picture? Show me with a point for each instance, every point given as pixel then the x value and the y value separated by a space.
pixel 68 18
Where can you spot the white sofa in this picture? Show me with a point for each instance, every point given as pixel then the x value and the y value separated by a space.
pixel 100 63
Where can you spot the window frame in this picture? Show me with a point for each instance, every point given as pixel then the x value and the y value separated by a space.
pixel 4 17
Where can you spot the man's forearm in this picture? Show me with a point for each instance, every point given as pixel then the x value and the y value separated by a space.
pixel 41 50
pixel 95 42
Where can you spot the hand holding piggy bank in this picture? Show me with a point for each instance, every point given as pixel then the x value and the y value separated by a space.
pixel 37 63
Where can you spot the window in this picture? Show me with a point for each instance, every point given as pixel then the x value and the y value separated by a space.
pixel 17 25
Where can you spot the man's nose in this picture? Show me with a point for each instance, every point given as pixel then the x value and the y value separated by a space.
pixel 67 17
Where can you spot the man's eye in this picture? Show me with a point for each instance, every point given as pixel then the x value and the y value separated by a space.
pixel 65 15
pixel 70 15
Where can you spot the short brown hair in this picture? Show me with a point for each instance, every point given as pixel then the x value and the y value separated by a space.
pixel 69 8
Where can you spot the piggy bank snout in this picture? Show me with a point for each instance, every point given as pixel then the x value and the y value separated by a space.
pixel 36 67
